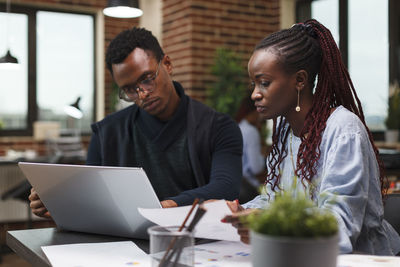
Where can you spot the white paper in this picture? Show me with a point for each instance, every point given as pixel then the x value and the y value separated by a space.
pixel 223 253
pixel 210 225
pixel 354 260
pixel 115 254
pixel 215 254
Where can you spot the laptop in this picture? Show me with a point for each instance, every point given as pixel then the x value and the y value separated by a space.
pixel 94 199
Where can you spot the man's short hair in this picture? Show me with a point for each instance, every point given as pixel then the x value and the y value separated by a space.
pixel 126 41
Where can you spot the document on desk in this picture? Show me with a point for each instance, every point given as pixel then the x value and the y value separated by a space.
pixel 354 260
pixel 116 254
pixel 210 225
pixel 223 254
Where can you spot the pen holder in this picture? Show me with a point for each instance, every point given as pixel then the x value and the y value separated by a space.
pixel 170 247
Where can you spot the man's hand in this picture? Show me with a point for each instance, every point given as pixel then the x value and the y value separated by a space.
pixel 235 220
pixel 168 203
pixel 37 205
pixel 234 206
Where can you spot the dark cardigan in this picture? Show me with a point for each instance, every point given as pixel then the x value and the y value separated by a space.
pixel 214 143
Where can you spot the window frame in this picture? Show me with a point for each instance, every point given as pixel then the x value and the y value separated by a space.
pixel 303 12
pixel 33 110
pixel 394 41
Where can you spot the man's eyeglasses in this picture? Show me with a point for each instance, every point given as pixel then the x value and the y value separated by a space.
pixel 131 93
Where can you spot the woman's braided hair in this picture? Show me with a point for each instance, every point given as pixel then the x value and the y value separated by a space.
pixel 310 46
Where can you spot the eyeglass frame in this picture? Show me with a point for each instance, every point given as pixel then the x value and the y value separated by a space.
pixel 138 88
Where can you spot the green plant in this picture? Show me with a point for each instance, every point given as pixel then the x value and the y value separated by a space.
pixel 293 217
pixel 393 118
pixel 1 124
pixel 226 93
pixel 114 97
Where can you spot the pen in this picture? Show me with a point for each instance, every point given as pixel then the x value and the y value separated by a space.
pixel 196 218
pixel 171 244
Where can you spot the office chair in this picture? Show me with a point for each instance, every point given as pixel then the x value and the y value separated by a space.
pixel 392 211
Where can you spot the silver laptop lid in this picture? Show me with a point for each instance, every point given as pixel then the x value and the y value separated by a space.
pixel 94 199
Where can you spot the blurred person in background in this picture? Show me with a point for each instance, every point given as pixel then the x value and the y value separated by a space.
pixel 253 159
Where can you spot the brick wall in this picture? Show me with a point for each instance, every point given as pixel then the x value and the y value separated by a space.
pixel 193 29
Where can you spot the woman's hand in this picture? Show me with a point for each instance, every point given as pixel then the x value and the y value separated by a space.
pixel 235 219
pixel 37 205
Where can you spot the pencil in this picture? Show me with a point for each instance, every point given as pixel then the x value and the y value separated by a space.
pixel 189 213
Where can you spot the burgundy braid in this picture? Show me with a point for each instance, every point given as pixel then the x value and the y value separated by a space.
pixel 310 46
pixel 276 155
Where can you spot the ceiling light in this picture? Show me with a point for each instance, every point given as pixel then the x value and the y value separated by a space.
pixel 123 9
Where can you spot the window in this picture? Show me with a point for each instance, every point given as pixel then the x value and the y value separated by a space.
pixel 361 28
pixel 58 50
pixel 327 12
pixel 14 80
pixel 368 57
pixel 65 68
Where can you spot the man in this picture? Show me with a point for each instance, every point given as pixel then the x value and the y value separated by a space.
pixel 187 149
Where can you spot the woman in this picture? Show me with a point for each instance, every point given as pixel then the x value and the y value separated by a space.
pixel 319 135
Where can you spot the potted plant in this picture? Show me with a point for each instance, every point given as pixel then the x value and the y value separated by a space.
pixel 226 92
pixel 293 232
pixel 393 117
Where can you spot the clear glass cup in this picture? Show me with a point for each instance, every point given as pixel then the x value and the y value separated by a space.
pixel 169 247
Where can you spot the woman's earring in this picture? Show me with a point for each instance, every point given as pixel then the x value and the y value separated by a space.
pixel 298 101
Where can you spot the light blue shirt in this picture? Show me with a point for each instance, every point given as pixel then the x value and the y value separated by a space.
pixel 253 161
pixel 348 174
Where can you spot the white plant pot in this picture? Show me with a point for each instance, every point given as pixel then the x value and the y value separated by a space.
pixel 391 136
pixel 269 251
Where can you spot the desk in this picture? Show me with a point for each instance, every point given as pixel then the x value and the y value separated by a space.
pixel 382 144
pixel 27 243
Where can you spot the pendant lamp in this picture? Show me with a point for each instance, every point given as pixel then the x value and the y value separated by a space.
pixel 123 9
pixel 8 58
